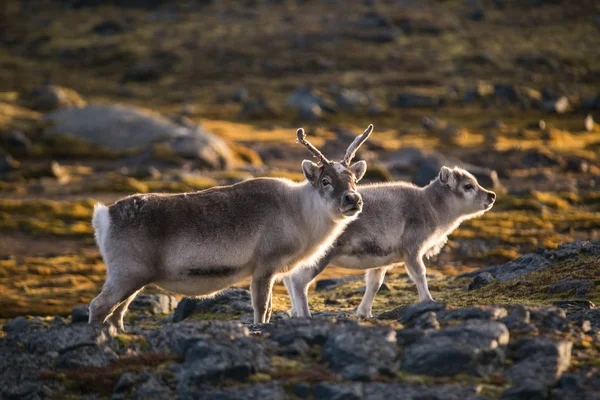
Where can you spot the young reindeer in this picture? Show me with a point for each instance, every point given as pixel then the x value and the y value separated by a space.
pixel 399 222
pixel 199 243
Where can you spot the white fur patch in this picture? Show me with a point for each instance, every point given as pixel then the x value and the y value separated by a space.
pixel 101 224
pixel 339 168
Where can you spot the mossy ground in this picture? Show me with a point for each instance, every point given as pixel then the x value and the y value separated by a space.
pixel 48 259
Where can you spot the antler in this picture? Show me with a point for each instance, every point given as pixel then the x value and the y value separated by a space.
pixel 301 138
pixel 351 152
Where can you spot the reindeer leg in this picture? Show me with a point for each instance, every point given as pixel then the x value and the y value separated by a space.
pixel 262 286
pixel 374 280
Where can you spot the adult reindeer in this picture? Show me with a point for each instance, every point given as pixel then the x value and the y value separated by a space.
pixel 197 244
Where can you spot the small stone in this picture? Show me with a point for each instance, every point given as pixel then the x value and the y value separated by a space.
pixel 297 348
pixel 15 325
pixel 125 382
pixel 239 95
pixel 210 362
pixel 80 313
pixel 540 361
pixel 7 162
pixel 17 143
pixel 479 312
pixel 425 321
pixel 361 353
pixel 337 391
pixel 301 390
pixel 481 280
pixel 581 287
pixel 589 123
pixel 155 303
pixel 534 392
pixel 405 313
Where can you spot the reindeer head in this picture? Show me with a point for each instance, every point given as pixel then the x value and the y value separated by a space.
pixel 335 182
pixel 470 198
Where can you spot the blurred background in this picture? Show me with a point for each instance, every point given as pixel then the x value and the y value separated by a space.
pixel 101 99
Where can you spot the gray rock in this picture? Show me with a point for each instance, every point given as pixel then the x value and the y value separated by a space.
pixel 210 362
pixel 517 319
pixel 256 109
pixel 62 339
pixel 414 100
pixel 408 336
pixel 572 306
pixel 385 391
pixel 593 316
pixel 481 280
pixel 539 361
pixel 239 95
pixel 519 267
pixel 16 325
pixel 23 391
pixel 153 388
pixel 534 392
pixel 301 390
pixel 311 331
pixel 177 337
pixel 154 303
pixel 85 356
pixel 17 143
pixel 352 100
pixel 49 98
pixel 361 353
pixel 304 99
pixel 126 382
pixel 473 347
pixel 331 283
pixel 581 287
pixel 259 391
pixel 338 391
pixel 7 162
pixel 558 106
pixel 109 27
pixel 480 312
pixel 424 321
pixel 120 128
pixel 80 314
pixel 551 320
pixel 297 347
pixel 230 300
pixel 405 313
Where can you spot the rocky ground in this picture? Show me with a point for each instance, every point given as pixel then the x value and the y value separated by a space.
pixel 209 349
pixel 99 100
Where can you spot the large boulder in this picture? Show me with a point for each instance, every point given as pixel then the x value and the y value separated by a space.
pixel 122 128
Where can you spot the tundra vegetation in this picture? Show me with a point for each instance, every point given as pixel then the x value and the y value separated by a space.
pixel 508 90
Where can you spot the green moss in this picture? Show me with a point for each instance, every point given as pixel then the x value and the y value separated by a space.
pixel 119 183
pixel 46 217
pixel 125 342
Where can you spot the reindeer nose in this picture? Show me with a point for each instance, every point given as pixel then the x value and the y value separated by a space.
pixel 351 200
pixel 492 196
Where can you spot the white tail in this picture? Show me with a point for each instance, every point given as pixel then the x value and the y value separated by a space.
pixel 101 223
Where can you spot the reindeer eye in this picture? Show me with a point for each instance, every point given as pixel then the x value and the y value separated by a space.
pixel 468 186
pixel 325 182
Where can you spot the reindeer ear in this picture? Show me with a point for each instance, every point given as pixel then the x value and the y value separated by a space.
pixel 358 169
pixel 447 177
pixel 310 170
